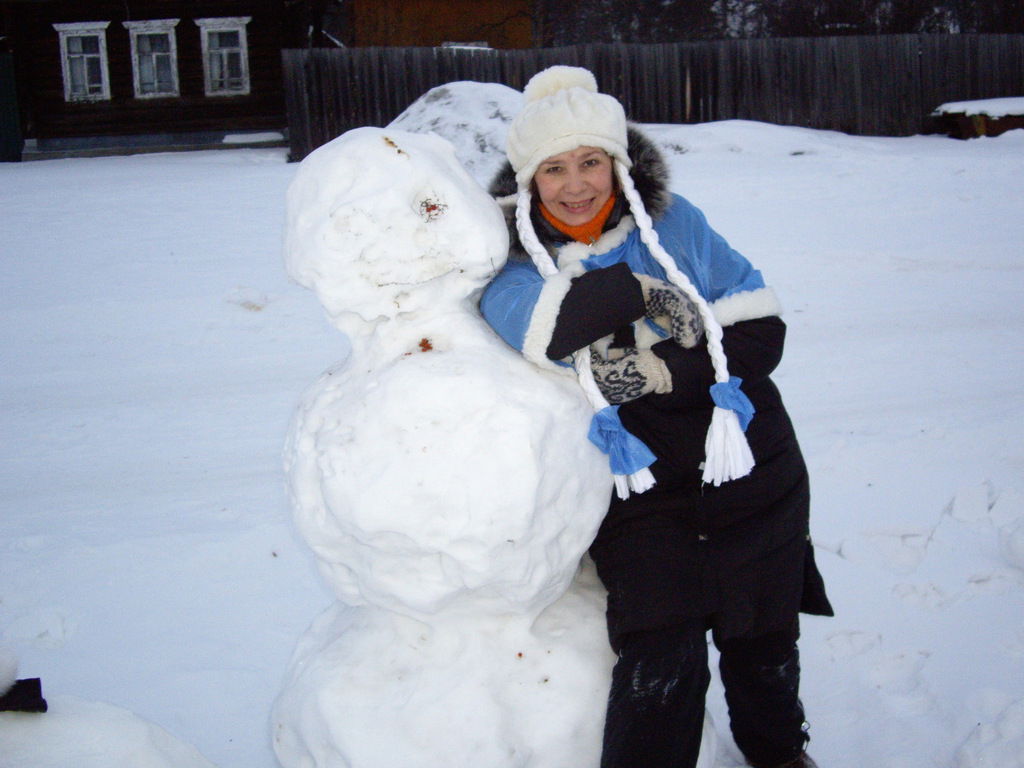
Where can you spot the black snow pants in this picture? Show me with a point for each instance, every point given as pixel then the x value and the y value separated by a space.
pixel 656 705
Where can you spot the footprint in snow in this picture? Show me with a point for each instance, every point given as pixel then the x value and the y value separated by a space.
pixel 972 504
pixel 900 681
pixel 998 743
pixel 902 551
pixel 1011 544
pixel 923 595
pixel 981 505
pixel 846 645
pixel 43 627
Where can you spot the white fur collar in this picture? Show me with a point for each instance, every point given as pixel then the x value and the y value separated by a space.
pixel 569 256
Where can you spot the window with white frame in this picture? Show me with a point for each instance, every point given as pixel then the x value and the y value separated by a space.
pixel 83 60
pixel 154 58
pixel 225 55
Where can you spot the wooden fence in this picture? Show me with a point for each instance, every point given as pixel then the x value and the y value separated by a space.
pixel 10 123
pixel 883 85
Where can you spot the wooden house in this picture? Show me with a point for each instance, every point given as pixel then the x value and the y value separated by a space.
pixel 93 73
pixel 399 23
pixel 91 76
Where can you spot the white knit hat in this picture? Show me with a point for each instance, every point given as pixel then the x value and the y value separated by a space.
pixel 563 110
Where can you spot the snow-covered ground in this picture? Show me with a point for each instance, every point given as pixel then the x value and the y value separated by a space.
pixel 153 351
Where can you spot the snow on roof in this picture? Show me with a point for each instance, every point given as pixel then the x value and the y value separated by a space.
pixel 991 107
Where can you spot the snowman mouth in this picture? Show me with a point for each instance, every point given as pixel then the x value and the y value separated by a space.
pixel 414 283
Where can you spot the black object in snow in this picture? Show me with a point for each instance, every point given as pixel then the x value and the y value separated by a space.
pixel 24 696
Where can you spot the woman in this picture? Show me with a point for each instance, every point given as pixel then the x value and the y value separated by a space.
pixel 612 272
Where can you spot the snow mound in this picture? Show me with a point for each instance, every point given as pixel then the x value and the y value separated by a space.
pixel 753 138
pixel 474 117
pixel 89 734
pixel 373 688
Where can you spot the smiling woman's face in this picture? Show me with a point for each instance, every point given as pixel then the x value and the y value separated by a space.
pixel 576 184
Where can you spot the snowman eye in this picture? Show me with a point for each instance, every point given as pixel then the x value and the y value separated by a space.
pixel 432 209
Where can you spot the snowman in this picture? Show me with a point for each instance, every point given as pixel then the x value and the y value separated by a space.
pixel 445 485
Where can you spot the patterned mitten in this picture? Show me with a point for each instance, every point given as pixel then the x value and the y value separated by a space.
pixel 631 375
pixel 664 300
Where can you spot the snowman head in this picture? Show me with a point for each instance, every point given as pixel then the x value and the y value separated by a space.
pixel 382 222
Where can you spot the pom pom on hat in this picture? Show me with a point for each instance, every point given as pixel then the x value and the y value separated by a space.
pixel 563 110
pixel 559 78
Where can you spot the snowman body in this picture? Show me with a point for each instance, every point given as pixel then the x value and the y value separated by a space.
pixel 446 487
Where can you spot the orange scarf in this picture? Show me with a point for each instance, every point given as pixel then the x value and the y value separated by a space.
pixel 584 233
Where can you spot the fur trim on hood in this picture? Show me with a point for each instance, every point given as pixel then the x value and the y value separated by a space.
pixel 649 174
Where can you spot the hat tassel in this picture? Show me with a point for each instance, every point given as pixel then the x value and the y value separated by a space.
pixel 727 455
pixel 628 455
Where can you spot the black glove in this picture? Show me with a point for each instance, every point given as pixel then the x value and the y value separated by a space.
pixel 664 300
pixel 631 374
